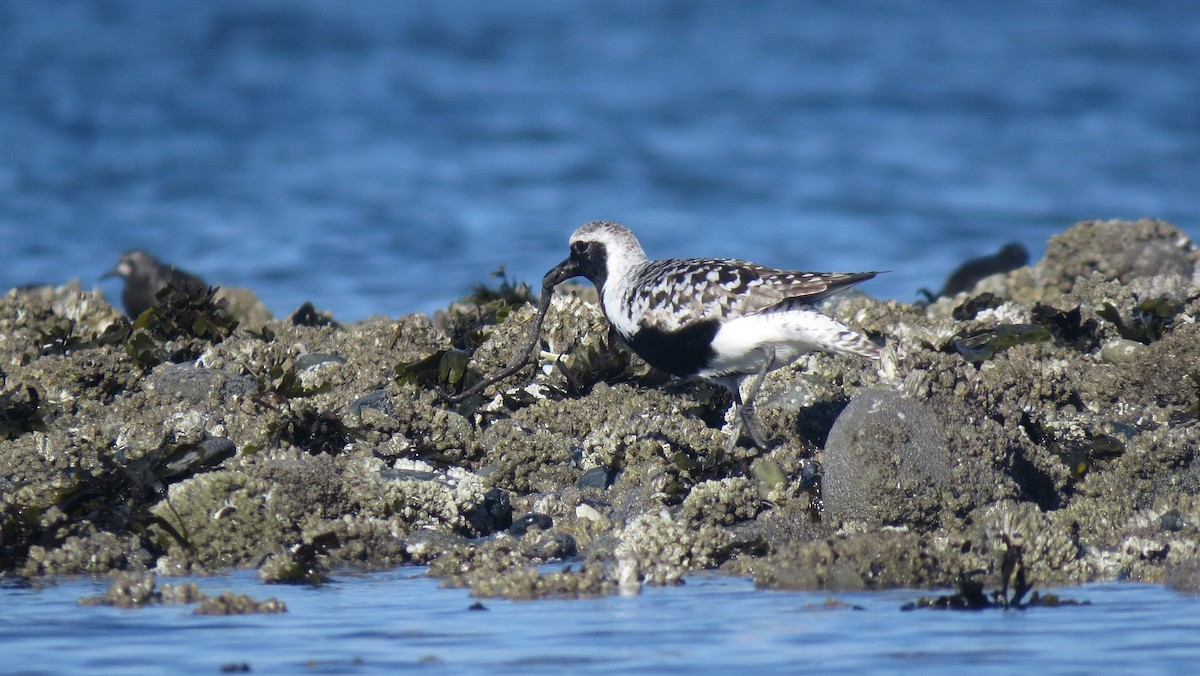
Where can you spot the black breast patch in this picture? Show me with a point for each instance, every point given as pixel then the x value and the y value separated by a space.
pixel 681 353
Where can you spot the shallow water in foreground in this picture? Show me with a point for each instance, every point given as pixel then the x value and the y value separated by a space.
pixel 399 620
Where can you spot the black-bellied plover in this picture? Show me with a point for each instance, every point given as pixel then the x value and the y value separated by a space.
pixel 717 319
pixel 145 276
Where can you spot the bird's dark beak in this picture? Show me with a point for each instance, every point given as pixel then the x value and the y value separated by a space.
pixel 561 273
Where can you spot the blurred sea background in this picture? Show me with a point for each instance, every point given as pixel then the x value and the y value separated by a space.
pixel 380 158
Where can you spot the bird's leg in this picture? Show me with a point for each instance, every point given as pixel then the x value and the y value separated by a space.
pixel 746 409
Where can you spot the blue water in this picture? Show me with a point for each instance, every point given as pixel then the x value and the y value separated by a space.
pixel 379 157
pixel 398 621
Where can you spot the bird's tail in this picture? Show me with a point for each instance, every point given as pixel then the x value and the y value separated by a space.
pixel 850 341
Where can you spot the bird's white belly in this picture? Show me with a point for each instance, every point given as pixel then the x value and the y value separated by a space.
pixel 743 344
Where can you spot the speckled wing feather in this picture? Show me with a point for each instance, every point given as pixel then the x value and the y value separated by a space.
pixel 675 292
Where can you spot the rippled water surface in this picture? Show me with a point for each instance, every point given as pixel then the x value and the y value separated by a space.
pixel 400 621
pixel 380 157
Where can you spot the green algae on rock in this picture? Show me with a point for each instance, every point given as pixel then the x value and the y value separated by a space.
pixel 1040 428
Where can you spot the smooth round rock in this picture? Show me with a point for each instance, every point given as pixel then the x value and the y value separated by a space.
pixel 885 459
pixel 530 521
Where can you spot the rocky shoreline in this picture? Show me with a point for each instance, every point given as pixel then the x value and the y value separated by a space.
pixel 1041 428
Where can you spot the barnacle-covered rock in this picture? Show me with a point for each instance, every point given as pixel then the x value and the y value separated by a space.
pixel 1031 543
pixel 724 502
pixel 661 550
pixel 858 561
pixel 1040 428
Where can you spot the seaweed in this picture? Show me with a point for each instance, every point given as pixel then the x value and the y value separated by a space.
pixel 302 563
pixel 180 327
pixel 485 306
pixel 971 595
pixel 982 346
pixel 195 313
pixel 62 335
pixel 308 315
pixel 313 432
pixel 21 410
pixel 1068 326
pixel 973 306
pixel 592 362
pixel 283 381
pixel 446 369
pixel 1150 320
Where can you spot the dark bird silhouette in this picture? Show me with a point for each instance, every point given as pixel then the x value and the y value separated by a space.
pixel 145 276
pixel 1010 257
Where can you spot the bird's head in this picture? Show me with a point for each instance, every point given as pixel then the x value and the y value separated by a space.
pixel 599 250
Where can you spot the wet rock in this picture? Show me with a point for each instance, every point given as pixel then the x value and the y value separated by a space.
pixel 128 590
pixel 187 459
pixel 197 384
pixel 500 569
pixel 599 478
pixel 1121 351
pixel 182 593
pixel 858 562
pixel 553 547
pixel 92 554
pixel 493 513
pixel 525 461
pixel 1185 576
pixel 137 589
pixel 524 524
pixel 424 546
pixel 230 603
pixel 378 401
pixel 724 502
pixel 656 549
pixel 436 434
pixel 885 461
pixel 1172 521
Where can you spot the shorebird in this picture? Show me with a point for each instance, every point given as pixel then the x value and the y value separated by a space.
pixel 717 319
pixel 145 276
pixel 1010 257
